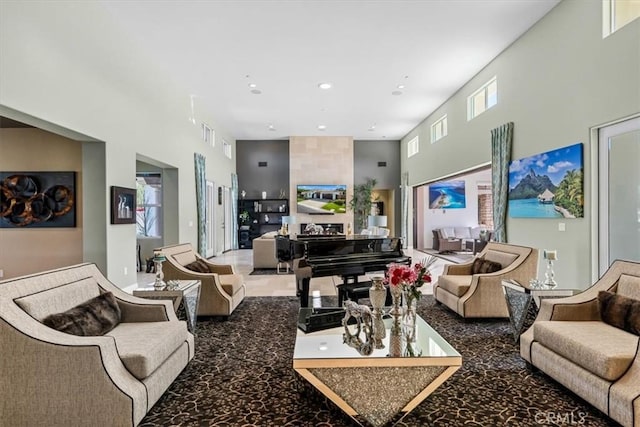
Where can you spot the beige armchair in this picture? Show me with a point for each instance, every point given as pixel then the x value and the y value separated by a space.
pixel 570 342
pixel 222 290
pixel 53 378
pixel 481 295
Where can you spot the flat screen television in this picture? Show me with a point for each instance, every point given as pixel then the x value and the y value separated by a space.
pixel 321 199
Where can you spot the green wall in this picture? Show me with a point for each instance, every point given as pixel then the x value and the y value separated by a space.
pixel 556 83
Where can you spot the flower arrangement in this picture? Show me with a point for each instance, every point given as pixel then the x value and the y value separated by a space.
pixel 410 278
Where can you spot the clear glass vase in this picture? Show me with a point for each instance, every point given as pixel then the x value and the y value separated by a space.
pixel 409 314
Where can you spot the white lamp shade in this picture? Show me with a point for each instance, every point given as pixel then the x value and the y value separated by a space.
pixel 550 255
pixel 377 221
pixel 289 220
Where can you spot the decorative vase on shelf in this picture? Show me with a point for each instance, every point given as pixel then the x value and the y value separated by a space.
pixel 409 315
pixel 377 296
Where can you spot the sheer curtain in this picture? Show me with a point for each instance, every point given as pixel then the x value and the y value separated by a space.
pixel 501 141
pixel 234 210
pixel 201 203
pixel 404 226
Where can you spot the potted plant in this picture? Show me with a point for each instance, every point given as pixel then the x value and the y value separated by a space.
pixel 245 220
pixel 362 201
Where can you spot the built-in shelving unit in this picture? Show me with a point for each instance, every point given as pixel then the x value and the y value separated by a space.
pixel 264 215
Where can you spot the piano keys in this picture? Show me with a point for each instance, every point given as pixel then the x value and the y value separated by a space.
pixel 346 256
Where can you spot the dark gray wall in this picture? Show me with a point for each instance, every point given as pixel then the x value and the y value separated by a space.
pixel 254 179
pixel 366 156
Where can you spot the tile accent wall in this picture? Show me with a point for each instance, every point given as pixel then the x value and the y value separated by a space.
pixel 321 160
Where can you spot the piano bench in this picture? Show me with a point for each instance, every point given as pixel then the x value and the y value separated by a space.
pixel 354 291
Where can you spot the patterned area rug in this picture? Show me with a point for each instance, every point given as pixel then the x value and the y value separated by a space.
pixel 242 375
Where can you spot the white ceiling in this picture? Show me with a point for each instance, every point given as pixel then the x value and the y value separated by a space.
pixel 364 48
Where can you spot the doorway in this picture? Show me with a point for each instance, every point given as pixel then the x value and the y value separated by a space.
pixel 227 224
pixel 618 193
pixel 210 228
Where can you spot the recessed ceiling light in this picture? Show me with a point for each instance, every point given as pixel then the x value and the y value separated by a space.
pixel 252 85
pixel 401 86
pixel 256 91
pixel 272 127
pixel 396 92
pixel 371 129
pixel 325 85
pixel 322 127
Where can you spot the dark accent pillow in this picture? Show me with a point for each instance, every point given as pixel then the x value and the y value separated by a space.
pixel 483 266
pixel 619 311
pixel 95 317
pixel 198 266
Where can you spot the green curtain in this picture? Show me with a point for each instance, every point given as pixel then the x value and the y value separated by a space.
pixel 234 209
pixel 404 233
pixel 201 203
pixel 501 140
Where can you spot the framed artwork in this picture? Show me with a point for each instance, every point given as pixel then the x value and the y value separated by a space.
pixel 123 205
pixel 37 199
pixel 447 195
pixel 548 185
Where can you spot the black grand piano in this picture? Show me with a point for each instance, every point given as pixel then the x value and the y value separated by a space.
pixel 346 256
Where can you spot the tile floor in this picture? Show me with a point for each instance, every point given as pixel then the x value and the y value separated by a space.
pixel 284 284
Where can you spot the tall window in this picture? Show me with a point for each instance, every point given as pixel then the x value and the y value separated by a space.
pixel 439 129
pixel 482 99
pixel 226 147
pixel 149 204
pixel 618 13
pixel 413 146
pixel 208 135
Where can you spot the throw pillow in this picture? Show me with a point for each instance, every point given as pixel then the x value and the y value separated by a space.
pixel 619 311
pixel 483 266
pixel 198 266
pixel 95 317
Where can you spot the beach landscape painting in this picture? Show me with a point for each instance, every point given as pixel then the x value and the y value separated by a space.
pixel 447 195
pixel 548 185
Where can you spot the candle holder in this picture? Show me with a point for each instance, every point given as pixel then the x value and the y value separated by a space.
pixel 158 259
pixel 549 275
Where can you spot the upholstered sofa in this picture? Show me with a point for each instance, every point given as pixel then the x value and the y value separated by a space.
pixel 454 238
pixel 54 378
pixel 264 251
pixel 481 295
pixel 221 291
pixel 570 342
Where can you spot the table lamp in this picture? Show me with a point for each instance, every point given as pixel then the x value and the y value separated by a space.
pixel 158 259
pixel 286 221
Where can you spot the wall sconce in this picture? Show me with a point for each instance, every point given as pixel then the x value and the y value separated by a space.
pixel 549 276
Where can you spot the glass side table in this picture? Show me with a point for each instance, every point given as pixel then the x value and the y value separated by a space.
pixel 519 297
pixel 185 295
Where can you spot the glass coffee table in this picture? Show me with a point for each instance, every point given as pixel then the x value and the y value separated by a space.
pixel 374 389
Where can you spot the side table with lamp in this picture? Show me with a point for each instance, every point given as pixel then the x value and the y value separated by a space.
pixel 519 296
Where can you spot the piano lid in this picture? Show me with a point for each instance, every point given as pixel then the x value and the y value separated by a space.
pixel 351 245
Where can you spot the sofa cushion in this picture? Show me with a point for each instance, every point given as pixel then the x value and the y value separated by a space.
pixel 95 317
pixel 484 266
pixel 185 258
pixel 596 346
pixel 462 232
pixel 629 286
pixel 505 259
pixel 475 232
pixel 144 346
pixel 269 235
pixel 447 233
pixel 619 311
pixel 457 285
pixel 231 283
pixel 198 266
pixel 61 298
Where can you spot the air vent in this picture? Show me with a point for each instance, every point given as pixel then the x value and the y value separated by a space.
pixel 262 164
pixel 382 164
